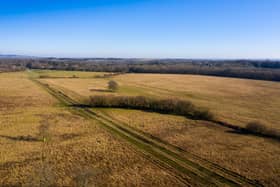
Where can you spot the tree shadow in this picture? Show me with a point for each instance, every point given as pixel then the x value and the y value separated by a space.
pixel 240 132
pixel 27 138
pixel 245 132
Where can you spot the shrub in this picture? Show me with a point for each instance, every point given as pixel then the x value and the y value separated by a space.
pixel 43 77
pixel 261 129
pixel 113 85
pixel 172 106
pixel 256 127
pixel 204 113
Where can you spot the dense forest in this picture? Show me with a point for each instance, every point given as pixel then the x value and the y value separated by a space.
pixel 251 69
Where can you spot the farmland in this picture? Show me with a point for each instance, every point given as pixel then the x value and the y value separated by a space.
pixel 46 135
pixel 232 100
pixel 43 144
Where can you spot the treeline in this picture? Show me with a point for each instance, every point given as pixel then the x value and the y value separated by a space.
pixel 178 107
pixel 262 129
pixel 170 106
pixel 11 65
pixel 250 69
pixel 238 72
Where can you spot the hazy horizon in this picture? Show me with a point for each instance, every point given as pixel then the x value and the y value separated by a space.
pixel 144 58
pixel 216 29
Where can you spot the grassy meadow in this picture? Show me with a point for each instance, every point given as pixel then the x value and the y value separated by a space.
pixel 45 144
pixel 253 157
pixel 44 140
pixel 236 101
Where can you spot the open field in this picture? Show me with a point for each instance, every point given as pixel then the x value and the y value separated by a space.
pixel 57 141
pixel 232 100
pixel 201 171
pixel 237 101
pixel 253 157
pixel 43 144
pixel 140 93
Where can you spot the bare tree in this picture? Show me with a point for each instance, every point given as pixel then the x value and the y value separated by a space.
pixel 113 85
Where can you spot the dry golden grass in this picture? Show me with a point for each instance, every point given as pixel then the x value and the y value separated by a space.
pixel 69 74
pixel 43 144
pixel 253 157
pixel 84 87
pixel 237 101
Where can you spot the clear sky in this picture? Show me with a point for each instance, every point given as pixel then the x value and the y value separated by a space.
pixel 141 28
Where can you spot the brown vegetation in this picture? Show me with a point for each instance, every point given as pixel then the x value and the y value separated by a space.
pixel 50 77
pixel 257 127
pixel 113 85
pixel 173 106
pixel 234 101
pixel 251 156
pixel 46 145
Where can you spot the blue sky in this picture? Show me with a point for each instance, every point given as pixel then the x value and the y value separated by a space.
pixel 141 28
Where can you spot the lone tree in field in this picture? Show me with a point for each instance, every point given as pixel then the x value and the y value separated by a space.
pixel 113 85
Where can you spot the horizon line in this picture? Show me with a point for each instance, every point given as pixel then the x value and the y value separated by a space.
pixel 144 58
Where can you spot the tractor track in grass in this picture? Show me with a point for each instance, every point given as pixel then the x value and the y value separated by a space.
pixel 190 156
pixel 186 167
